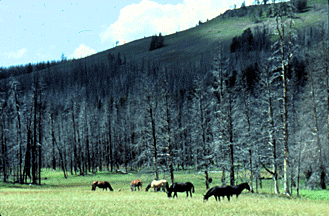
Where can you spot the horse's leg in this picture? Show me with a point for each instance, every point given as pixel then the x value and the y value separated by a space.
pixel 175 194
pixel 228 197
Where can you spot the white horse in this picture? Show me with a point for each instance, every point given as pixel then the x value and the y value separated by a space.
pixel 158 184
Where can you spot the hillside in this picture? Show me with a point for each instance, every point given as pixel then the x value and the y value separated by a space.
pixel 187 46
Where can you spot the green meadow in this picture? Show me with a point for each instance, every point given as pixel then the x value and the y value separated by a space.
pixel 73 196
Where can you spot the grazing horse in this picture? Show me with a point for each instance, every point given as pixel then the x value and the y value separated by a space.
pixel 218 192
pixel 101 184
pixel 239 188
pixel 181 187
pixel 157 185
pixel 135 183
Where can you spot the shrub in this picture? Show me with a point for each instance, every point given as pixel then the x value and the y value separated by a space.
pixel 299 5
pixel 156 42
pixel 244 42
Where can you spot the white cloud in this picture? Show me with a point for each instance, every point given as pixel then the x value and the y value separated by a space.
pixel 18 54
pixel 81 52
pixel 149 18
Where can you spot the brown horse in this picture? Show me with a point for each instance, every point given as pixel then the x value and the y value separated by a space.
pixel 136 183
pixel 158 184
pixel 101 184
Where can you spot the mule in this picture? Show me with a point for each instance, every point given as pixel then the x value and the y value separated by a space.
pixel 101 184
pixel 181 187
pixel 135 183
pixel 239 188
pixel 218 192
pixel 157 184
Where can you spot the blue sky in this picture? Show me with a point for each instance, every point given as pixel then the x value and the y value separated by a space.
pixel 36 31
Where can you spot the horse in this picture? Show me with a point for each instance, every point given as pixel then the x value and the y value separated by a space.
pixel 157 184
pixel 218 192
pixel 239 188
pixel 181 187
pixel 101 184
pixel 135 183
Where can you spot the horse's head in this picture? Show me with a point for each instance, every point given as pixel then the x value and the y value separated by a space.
pixel 94 185
pixel 148 187
pixel 246 185
pixel 169 194
pixel 205 198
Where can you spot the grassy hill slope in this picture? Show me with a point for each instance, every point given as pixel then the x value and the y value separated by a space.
pixel 187 46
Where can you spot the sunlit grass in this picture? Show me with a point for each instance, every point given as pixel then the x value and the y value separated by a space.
pixel 73 196
pixel 82 201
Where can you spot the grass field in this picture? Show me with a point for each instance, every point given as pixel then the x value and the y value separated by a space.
pixel 73 196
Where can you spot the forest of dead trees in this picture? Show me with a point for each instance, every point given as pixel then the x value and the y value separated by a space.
pixel 255 108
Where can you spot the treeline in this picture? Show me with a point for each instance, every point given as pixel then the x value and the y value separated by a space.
pixel 14 71
pixel 258 11
pixel 250 110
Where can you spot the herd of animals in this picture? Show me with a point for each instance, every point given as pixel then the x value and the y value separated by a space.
pixel 188 187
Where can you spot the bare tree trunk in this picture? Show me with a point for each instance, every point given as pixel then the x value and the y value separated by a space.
pixel 27 165
pixel 19 138
pixel 53 139
pixel 247 105
pixel 284 64
pixel 272 140
pixel 207 179
pixel 285 129
pixel 316 130
pixel 275 168
pixel 202 127
pixel 40 142
pixel 154 139
pixel 87 144
pixel 170 156
pixel 325 47
pixel 298 168
pixel 34 143
pixel 232 178
pixel 61 154
pixel 74 139
pixel 4 150
pixel 79 155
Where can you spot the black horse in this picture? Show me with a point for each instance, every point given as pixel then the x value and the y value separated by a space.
pixel 101 184
pixel 181 187
pixel 218 192
pixel 239 188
